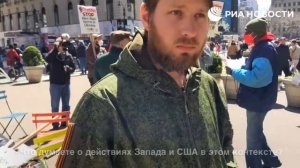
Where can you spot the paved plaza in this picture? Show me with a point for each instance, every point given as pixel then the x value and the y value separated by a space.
pixel 282 125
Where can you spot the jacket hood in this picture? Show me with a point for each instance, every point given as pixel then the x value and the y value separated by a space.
pixel 129 64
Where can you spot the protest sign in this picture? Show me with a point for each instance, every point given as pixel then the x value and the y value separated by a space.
pixel 88 19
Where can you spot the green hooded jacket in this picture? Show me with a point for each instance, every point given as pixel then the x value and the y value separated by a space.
pixel 139 118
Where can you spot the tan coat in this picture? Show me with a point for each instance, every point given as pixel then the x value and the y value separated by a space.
pixel 232 50
pixel 91 59
pixel 295 52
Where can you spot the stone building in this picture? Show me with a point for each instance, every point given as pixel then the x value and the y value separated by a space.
pixel 244 7
pixel 26 20
pixel 287 26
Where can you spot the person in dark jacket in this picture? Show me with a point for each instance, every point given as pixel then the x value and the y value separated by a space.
pixel 258 91
pixel 284 58
pixel 118 40
pixel 81 54
pixel 61 67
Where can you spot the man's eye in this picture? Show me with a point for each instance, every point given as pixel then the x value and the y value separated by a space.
pixel 200 15
pixel 176 13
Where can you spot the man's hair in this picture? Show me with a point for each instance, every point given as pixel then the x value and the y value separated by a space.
pixel 151 5
pixel 119 35
pixel 64 45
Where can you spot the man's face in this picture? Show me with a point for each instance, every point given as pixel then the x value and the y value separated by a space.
pixel 282 41
pixel 177 32
pixel 60 48
pixel 96 39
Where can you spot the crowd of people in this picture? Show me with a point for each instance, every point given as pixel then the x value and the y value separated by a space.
pixel 288 52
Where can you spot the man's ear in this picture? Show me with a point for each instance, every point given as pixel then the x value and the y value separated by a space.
pixel 145 16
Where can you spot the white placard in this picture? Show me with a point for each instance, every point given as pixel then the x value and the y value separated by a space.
pixel 235 63
pixel 88 19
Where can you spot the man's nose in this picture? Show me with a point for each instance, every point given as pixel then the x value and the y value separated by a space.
pixel 189 27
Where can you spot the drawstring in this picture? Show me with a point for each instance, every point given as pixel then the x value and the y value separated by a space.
pixel 156 86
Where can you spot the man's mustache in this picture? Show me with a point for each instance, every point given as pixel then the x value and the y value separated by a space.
pixel 187 41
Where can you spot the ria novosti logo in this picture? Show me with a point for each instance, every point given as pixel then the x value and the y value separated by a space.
pixel 215 13
pixel 270 14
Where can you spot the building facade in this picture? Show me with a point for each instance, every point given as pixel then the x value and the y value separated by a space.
pixel 231 22
pixel 30 18
pixel 244 7
pixel 286 26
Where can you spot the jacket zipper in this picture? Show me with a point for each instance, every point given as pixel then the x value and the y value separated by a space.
pixel 187 116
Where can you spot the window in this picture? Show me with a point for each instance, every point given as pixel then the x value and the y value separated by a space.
pixel 298 3
pixel 294 3
pixel 3 23
pixel 81 2
pixel 131 9
pixel 35 19
pixel 19 20
pixel 284 4
pixel 44 17
pixel 10 22
pixel 109 9
pixel 56 15
pixel 26 20
pixel 70 13
pixel 289 4
pixel 94 2
pixel 298 9
pixel 275 5
pixel 279 5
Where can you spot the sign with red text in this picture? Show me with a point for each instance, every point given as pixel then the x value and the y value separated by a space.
pixel 88 19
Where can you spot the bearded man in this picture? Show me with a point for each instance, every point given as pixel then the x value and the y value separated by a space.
pixel 157 109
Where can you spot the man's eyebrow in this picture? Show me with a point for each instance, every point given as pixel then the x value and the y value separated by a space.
pixel 184 6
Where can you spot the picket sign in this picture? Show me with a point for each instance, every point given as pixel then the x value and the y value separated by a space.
pixel 89 24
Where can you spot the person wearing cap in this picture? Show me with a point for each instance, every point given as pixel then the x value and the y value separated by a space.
pixel 97 42
pixel 284 58
pixel 157 104
pixel 258 91
pixel 295 53
pixel 61 66
pixel 118 40
pixel 65 37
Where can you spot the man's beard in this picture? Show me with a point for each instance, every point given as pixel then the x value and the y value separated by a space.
pixel 166 58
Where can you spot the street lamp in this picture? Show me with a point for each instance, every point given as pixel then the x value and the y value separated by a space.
pixel 120 4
